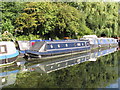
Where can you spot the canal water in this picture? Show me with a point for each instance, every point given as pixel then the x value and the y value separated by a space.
pixel 95 69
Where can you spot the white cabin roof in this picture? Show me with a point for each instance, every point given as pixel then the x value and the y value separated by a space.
pixel 89 36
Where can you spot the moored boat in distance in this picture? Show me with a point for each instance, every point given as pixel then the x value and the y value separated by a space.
pixel 56 48
pixel 96 42
pixel 22 46
pixel 8 52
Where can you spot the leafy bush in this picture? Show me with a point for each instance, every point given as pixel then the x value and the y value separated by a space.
pixel 30 37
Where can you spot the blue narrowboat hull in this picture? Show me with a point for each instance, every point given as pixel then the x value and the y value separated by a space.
pixel 35 54
pixel 51 48
pixel 56 52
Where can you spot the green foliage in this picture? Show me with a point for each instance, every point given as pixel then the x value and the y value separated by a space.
pixel 49 20
pixel 7 36
pixel 7 26
pixel 100 17
pixel 57 20
pixel 29 37
pixel 10 10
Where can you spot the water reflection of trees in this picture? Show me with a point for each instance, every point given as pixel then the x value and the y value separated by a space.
pixel 97 74
pixel 91 74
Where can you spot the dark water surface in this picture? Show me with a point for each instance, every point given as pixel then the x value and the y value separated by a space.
pixel 95 69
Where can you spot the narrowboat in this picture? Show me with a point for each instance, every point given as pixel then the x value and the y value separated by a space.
pixel 107 42
pixel 96 42
pixel 8 52
pixel 22 46
pixel 53 48
pixel 93 40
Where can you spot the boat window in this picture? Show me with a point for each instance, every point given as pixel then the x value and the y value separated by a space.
pixel 51 46
pixel 78 44
pixel 82 59
pixel 66 63
pixel 87 43
pixel 66 45
pixel 82 44
pixel 51 67
pixel 3 49
pixel 59 45
pixel 78 60
pixel 58 65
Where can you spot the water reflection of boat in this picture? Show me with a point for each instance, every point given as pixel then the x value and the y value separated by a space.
pixel 57 64
pixel 8 75
pixel 105 52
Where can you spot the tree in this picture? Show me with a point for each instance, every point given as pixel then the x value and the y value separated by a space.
pixel 51 20
pixel 100 17
pixel 10 10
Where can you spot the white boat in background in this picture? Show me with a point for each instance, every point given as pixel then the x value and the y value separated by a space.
pixel 22 46
pixel 8 52
pixel 96 42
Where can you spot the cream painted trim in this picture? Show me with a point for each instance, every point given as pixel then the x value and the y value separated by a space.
pixel 67 60
pixel 65 42
pixel 68 48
